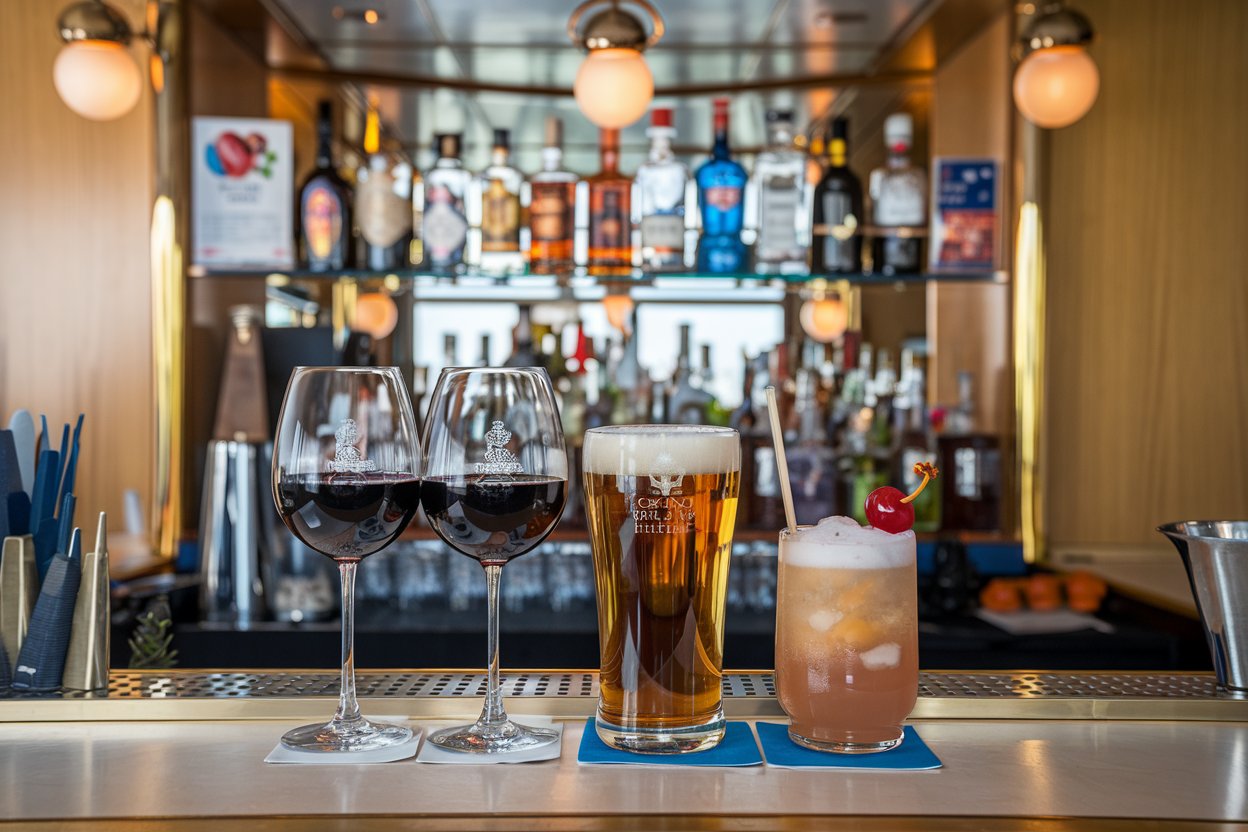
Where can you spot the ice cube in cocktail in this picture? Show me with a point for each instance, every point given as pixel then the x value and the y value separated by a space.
pixel 847 653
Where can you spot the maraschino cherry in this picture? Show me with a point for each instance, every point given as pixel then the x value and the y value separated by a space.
pixel 890 510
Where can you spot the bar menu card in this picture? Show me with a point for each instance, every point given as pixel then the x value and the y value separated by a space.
pixel 965 214
pixel 241 184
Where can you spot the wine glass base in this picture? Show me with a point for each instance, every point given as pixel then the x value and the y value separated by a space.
pixel 346 737
pixel 482 738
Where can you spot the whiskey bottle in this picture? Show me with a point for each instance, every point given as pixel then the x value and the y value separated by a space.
pixel 610 227
pixel 971 493
pixel 499 193
pixel 552 202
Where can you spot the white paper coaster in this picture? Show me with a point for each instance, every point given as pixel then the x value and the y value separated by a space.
pixel 430 753
pixel 393 753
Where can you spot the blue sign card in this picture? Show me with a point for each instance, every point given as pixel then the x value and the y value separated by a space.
pixel 781 752
pixel 737 748
pixel 965 216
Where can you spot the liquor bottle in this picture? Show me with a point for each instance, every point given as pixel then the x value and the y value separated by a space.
pixel 917 444
pixel 383 203
pixel 721 200
pixel 499 192
pixel 687 402
pixel 812 462
pixel 898 202
pixel 450 350
pixel 445 228
pixel 325 205
pixel 484 359
pixel 522 352
pixel 765 506
pixel 780 190
pixel 610 228
pixel 716 413
pixel 661 182
pixel 836 246
pixel 971 493
pixel 552 202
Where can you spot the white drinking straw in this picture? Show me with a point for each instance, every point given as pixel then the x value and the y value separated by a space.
pixel 782 463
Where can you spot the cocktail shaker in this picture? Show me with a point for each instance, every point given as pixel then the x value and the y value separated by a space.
pixel 231 588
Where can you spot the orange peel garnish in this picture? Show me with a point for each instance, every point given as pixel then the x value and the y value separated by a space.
pixel 928 472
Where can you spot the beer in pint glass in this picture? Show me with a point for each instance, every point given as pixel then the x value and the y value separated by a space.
pixel 661 501
pixel 847 645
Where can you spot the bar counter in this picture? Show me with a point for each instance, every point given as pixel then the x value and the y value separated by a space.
pixel 1020 751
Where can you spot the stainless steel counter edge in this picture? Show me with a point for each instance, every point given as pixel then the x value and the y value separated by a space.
pixel 455 694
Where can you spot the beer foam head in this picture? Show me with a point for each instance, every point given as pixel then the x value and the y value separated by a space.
pixel 840 543
pixel 638 450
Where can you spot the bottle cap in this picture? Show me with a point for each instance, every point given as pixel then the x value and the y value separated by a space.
pixel 721 106
pixel 661 117
pixel 778 116
pixel 840 128
pixel 448 145
pixel 554 132
pixel 325 110
pixel 610 138
pixel 502 138
pixel 898 129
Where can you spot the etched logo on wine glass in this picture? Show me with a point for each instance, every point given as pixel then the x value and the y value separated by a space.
pixel 498 460
pixel 347 457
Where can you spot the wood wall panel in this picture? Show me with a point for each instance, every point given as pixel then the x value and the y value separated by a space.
pixel 969 325
pixel 75 292
pixel 1148 298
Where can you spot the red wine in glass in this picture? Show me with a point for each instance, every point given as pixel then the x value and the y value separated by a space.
pixel 492 517
pixel 348 516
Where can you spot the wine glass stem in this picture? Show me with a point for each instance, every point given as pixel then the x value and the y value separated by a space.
pixel 493 713
pixel 348 707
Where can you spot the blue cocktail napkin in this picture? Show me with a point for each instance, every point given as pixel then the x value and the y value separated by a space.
pixel 781 752
pixel 737 748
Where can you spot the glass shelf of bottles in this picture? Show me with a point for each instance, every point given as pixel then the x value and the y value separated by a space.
pixel 583 284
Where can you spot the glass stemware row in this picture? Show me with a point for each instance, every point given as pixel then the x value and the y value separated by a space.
pixel 349 475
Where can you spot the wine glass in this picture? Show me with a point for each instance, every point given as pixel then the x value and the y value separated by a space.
pixel 496 476
pixel 346 480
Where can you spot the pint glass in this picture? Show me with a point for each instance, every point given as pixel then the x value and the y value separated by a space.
pixel 661 501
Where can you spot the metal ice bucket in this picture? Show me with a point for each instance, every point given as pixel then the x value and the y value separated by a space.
pixel 1215 553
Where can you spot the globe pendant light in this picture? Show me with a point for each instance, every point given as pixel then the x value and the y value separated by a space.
pixel 614 86
pixel 1057 81
pixel 95 74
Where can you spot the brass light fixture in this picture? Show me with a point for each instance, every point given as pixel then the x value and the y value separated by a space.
pixel 1057 81
pixel 614 86
pixel 95 73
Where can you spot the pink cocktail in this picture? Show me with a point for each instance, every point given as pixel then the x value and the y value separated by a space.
pixel 847 652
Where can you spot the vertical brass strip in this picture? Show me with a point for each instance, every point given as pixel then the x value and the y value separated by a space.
pixel 168 238
pixel 1029 347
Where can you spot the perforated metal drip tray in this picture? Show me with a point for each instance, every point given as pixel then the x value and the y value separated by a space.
pixel 191 695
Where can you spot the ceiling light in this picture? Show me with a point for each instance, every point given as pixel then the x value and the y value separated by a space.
pixel 1057 81
pixel 614 86
pixel 95 74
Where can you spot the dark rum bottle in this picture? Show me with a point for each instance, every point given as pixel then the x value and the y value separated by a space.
pixel 837 238
pixel 325 206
